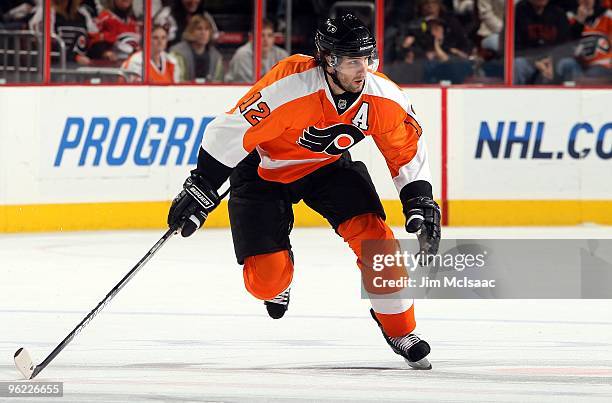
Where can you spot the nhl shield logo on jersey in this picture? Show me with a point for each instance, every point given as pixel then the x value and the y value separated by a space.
pixel 333 140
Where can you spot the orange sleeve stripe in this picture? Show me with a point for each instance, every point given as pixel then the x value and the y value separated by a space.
pixel 398 145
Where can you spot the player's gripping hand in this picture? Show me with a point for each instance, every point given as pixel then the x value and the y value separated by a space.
pixel 423 219
pixel 191 207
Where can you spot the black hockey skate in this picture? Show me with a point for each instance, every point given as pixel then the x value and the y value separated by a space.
pixel 411 347
pixel 278 305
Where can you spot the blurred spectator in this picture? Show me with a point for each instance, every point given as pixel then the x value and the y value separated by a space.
pixel 163 68
pixel 156 5
pixel 396 13
pixel 540 27
pixel 565 5
pixel 491 19
pixel 176 17
pixel 304 20
pixel 15 14
pixel 241 65
pixel 91 7
pixel 438 38
pixel 71 24
pixel 466 12
pixel 118 33
pixel 463 7
pixel 591 24
pixel 491 14
pixel 196 54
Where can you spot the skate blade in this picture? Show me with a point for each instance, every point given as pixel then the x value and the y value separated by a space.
pixel 422 364
pixel 24 363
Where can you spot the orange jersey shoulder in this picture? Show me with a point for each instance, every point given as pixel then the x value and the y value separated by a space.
pixel 291 119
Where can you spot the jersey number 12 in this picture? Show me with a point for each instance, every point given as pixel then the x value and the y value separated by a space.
pixel 254 115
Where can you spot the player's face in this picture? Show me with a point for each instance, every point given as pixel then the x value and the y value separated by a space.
pixel 352 71
pixel 159 41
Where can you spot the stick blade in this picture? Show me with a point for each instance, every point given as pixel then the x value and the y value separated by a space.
pixel 24 363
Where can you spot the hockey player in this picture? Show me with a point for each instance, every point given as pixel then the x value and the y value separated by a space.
pixel 286 140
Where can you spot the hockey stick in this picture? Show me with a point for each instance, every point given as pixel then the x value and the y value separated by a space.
pixel 24 362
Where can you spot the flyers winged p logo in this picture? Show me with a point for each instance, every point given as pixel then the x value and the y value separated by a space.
pixel 333 140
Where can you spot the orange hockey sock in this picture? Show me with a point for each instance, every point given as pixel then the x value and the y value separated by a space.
pixel 398 317
pixel 397 324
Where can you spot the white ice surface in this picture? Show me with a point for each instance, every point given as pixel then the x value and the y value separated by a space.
pixel 184 329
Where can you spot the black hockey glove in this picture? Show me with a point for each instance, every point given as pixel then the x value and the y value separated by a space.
pixel 191 207
pixel 423 218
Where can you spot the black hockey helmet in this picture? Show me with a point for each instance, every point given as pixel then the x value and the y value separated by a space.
pixel 344 36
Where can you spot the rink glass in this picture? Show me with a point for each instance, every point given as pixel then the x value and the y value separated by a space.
pixel 404 60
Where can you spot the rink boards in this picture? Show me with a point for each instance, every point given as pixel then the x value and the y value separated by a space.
pixel 110 157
